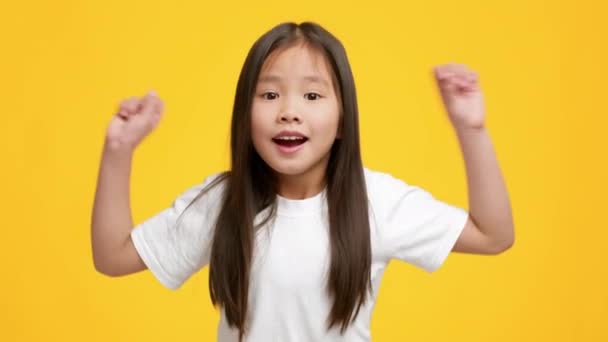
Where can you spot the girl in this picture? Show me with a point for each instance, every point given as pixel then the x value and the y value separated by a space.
pixel 298 233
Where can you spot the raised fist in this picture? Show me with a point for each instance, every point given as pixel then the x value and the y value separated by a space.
pixel 135 119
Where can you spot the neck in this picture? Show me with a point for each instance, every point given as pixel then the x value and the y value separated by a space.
pixel 301 186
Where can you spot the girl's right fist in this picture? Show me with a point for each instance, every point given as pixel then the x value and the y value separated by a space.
pixel 135 119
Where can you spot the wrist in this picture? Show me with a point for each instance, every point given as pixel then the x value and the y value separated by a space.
pixel 466 130
pixel 115 146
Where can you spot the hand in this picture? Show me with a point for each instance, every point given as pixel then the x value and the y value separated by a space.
pixel 461 95
pixel 135 119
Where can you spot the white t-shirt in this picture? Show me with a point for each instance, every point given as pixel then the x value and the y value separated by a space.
pixel 287 297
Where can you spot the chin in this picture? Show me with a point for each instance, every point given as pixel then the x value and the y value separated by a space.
pixel 288 168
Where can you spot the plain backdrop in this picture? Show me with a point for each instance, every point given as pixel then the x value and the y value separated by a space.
pixel 65 66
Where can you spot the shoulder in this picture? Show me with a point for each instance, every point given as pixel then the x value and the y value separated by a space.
pixel 383 191
pixel 387 194
pixel 380 184
pixel 215 182
pixel 205 194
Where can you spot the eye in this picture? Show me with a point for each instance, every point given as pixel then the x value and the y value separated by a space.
pixel 273 95
pixel 315 97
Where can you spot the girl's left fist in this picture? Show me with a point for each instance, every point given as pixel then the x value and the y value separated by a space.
pixel 461 95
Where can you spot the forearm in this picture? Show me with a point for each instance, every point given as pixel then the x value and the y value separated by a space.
pixel 489 204
pixel 111 221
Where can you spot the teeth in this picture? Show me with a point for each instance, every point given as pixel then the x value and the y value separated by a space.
pixel 290 138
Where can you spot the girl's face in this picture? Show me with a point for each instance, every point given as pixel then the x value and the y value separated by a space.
pixel 294 97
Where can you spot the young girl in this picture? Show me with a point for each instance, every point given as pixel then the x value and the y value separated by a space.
pixel 298 233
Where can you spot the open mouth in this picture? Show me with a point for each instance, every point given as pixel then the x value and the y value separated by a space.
pixel 290 141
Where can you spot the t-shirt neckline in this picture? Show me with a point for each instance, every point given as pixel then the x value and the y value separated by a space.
pixel 302 207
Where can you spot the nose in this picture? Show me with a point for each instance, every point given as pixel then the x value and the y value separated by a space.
pixel 289 113
pixel 289 117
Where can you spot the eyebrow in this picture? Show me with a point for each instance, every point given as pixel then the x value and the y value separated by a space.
pixel 276 78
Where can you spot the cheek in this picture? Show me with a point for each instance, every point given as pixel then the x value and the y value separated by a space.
pixel 260 130
pixel 257 123
pixel 331 122
pixel 259 116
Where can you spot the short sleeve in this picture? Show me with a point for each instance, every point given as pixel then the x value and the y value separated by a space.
pixel 417 227
pixel 173 251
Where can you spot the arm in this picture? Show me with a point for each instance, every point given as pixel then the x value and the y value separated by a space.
pixel 113 250
pixel 489 228
pixel 114 253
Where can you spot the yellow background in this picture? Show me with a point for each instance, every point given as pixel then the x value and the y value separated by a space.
pixel 65 65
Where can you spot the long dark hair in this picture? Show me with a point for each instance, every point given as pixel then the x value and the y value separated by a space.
pixel 251 187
